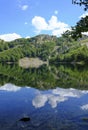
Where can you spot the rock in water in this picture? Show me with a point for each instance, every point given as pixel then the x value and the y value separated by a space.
pixel 25 119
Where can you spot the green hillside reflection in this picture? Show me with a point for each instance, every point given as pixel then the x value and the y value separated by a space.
pixel 45 77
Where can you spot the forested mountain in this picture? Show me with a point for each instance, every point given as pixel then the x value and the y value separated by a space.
pixel 46 47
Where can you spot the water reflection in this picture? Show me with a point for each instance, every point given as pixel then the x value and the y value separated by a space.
pixel 53 97
pixel 84 107
pixel 45 77
pixel 53 100
pixel 57 109
pixel 56 96
pixel 9 87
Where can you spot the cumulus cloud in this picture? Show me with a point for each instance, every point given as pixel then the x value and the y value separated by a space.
pixel 55 24
pixel 27 37
pixel 24 7
pixel 39 23
pixel 56 27
pixel 85 33
pixel 56 12
pixel 58 32
pixel 84 15
pixel 10 36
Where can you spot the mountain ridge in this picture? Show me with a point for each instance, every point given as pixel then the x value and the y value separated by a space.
pixel 45 47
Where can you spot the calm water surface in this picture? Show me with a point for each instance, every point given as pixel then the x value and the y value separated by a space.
pixel 52 98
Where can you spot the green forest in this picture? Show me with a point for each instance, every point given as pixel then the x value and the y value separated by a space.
pixel 46 47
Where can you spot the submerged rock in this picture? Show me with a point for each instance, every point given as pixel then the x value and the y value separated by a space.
pixel 25 119
pixel 85 119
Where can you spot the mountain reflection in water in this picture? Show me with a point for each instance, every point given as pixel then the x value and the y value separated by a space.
pixel 45 77
pixel 49 97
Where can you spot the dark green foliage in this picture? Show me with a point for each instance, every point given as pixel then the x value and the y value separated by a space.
pixel 70 50
pixel 80 54
pixel 81 2
pixel 81 26
pixel 39 46
pixel 63 49
pixel 77 31
pixel 46 77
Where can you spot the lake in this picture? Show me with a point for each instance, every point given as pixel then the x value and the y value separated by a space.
pixel 46 98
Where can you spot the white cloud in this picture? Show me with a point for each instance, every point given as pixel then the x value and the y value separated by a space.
pixel 10 36
pixel 24 7
pixel 56 27
pixel 27 37
pixel 84 107
pixel 53 23
pixel 10 87
pixel 39 23
pixel 84 15
pixel 56 12
pixel 85 33
pixel 58 32
pixel 25 23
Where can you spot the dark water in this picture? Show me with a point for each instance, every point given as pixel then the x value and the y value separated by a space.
pixel 52 98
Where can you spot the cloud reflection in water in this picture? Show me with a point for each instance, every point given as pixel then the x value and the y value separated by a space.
pixel 56 96
pixel 10 87
pixel 84 107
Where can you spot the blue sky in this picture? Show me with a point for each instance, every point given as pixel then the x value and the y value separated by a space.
pixel 27 18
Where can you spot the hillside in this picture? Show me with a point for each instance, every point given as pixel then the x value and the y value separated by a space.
pixel 45 47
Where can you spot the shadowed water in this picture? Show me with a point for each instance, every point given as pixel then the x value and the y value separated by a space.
pixel 50 98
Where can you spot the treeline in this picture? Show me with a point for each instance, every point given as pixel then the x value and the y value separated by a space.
pixel 70 50
pixel 8 45
pixel 77 55
pixel 63 49
pixel 24 48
